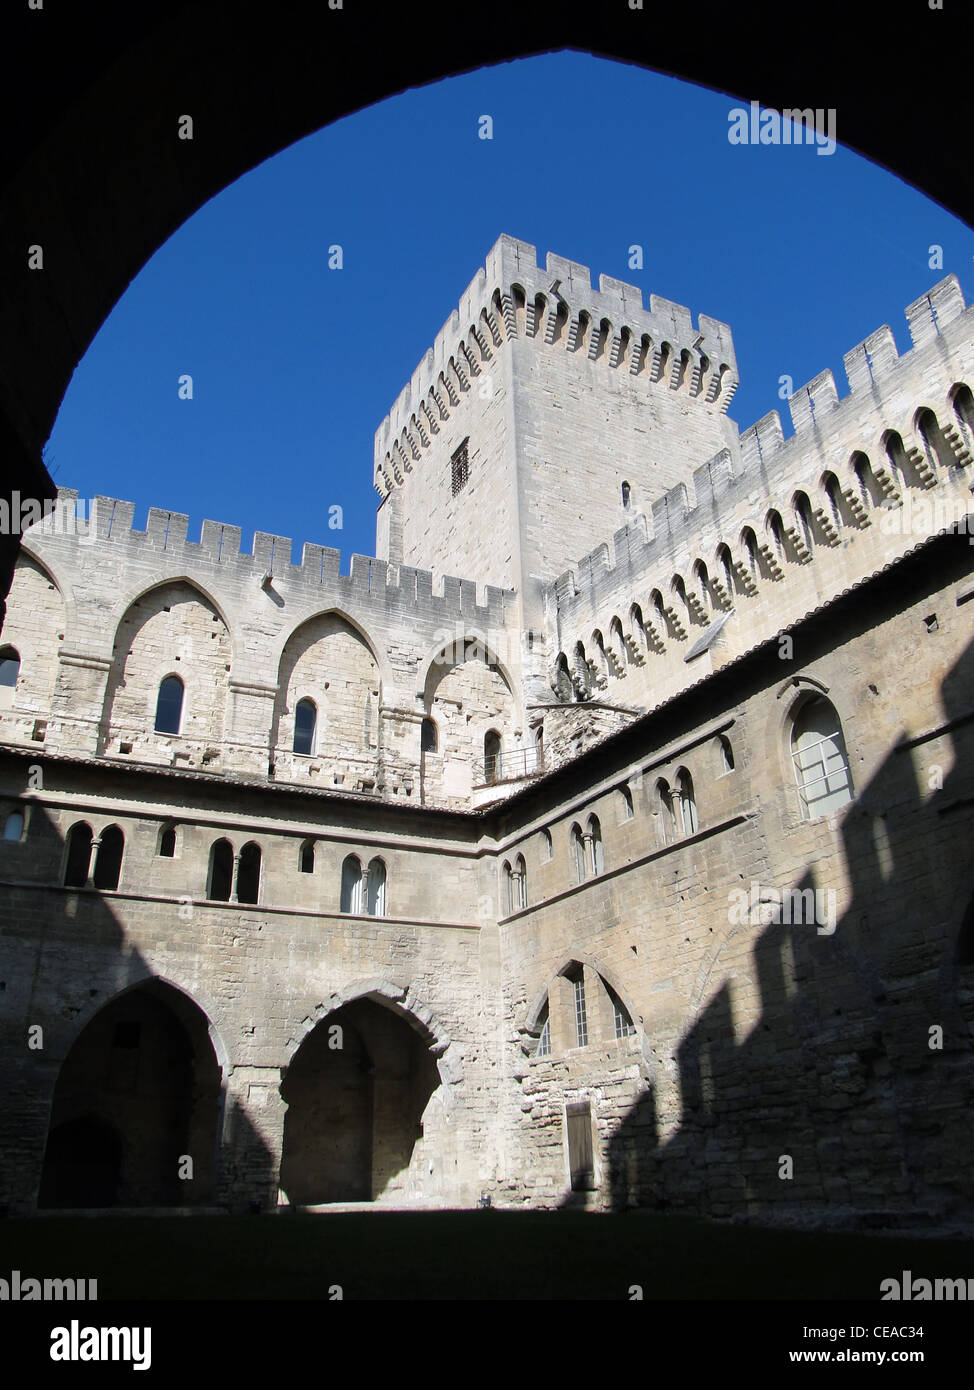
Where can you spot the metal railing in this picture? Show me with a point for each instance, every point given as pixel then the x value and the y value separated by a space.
pixel 509 766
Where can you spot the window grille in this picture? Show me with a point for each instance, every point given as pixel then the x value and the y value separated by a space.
pixel 623 1024
pixel 820 759
pixel 544 1041
pixel 581 1020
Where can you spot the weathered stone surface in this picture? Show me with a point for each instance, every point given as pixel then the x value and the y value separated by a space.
pixel 595 868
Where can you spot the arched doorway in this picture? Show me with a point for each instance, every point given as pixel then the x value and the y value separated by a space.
pixel 136 1107
pixel 356 1093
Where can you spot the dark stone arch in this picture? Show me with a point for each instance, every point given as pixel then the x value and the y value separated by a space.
pixel 356 1091
pixel 118 77
pixel 139 1091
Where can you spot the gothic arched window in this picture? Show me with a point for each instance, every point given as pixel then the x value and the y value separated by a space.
pixel 351 899
pixel 305 725
pixel 508 887
pixel 375 889
pixel 667 812
pixel 596 858
pixel 819 754
pixel 248 874
pixel 521 876
pixel 688 806
pixel 492 756
pixel 221 872
pixel 544 1038
pixel 79 855
pixel 578 854
pixel 108 865
pixel 9 665
pixel 169 706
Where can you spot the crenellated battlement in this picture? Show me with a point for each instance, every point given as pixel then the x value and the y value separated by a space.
pixel 110 522
pixel 868 366
pixel 514 297
pixel 742 486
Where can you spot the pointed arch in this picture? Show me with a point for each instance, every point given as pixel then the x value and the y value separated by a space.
pixel 578 853
pixel 169 705
pixel 150 1061
pixel 108 863
pixel 940 456
pixel 521 874
pixel 688 804
pixel 172 633
pixel 817 751
pixel 375 888
pixel 351 888
pixel 219 879
pixel 596 851
pixel 305 726
pixel 77 855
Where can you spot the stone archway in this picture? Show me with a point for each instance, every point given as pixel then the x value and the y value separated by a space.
pixel 120 80
pixel 356 1092
pixel 137 1095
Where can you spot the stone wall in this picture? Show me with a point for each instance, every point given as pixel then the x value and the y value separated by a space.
pixel 787 1069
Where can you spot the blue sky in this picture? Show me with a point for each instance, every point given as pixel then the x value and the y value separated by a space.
pixel 294 365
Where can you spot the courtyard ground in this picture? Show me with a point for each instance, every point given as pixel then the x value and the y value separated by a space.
pixel 464 1255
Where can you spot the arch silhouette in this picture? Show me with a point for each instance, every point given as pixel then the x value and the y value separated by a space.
pixel 265 93
pixel 276 653
pixel 140 1084
pixel 197 998
pixel 438 659
pixel 401 1000
pixel 128 601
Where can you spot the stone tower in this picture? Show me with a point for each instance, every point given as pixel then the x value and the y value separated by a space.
pixel 545 417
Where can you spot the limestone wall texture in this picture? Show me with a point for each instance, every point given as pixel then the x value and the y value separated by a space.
pixel 533 796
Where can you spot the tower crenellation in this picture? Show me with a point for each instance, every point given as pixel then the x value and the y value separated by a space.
pixel 771 527
pixel 493 301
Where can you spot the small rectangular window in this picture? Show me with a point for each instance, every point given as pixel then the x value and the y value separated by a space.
pixel 459 468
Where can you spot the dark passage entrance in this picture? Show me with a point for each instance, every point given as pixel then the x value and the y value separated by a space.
pixel 138 1095
pixel 356 1092
pixel 83 1166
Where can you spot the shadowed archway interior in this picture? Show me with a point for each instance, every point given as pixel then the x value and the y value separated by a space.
pixel 136 1108
pixel 356 1094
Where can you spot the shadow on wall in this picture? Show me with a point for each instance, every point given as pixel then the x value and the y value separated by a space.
pixel 124 1102
pixel 852 1092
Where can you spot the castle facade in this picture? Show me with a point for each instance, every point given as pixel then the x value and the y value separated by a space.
pixel 603 839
